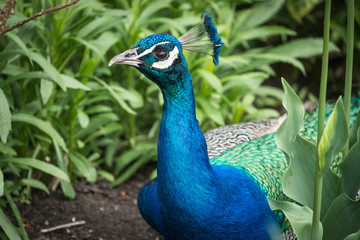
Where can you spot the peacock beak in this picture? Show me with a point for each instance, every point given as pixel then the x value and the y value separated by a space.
pixel 129 57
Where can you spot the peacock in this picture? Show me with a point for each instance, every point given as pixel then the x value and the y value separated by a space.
pixel 213 186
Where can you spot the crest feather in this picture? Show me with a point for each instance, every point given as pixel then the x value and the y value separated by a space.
pixel 203 37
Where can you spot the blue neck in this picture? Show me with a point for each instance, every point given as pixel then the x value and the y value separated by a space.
pixel 184 171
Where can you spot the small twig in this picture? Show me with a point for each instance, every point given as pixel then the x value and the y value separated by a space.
pixel 67 225
pixel 16 25
pixel 5 13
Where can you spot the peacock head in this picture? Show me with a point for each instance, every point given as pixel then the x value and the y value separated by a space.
pixel 160 56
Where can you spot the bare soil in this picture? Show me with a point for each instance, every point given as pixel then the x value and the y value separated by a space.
pixel 109 213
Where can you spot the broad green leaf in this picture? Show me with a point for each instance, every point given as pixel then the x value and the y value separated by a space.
pixel 93 27
pixel 353 130
pixel 88 45
pixel 302 48
pixel 353 236
pixel 263 31
pixel 299 179
pixel 42 125
pixel 212 79
pixel 83 118
pixel 146 155
pixel 300 8
pixel 5 117
pixel 149 11
pixel 300 217
pixel 342 218
pixel 260 12
pixel 133 97
pixel 38 164
pixel 49 69
pixel 83 166
pixel 349 167
pixel 46 88
pixel 1 183
pixel 211 111
pixel 106 175
pixel 116 96
pixel 8 227
pixel 290 128
pixel 244 82
pixel 271 57
pixel 72 83
pixel 110 128
pixel 35 184
pixel 66 186
pixel 20 43
pixel 141 149
pixel 334 137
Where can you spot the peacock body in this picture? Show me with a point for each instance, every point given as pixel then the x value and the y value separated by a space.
pixel 194 197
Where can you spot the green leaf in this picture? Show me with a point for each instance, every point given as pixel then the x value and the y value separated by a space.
pixel 261 12
pixel 300 8
pixel 290 128
pixel 35 184
pixel 42 125
pixel 211 111
pixel 300 217
pixel 1 183
pixel 38 164
pixel 353 130
pixel 46 88
pixel 334 137
pixel 20 43
pixel 6 150
pixel 8 227
pixel 66 186
pixel 49 69
pixel 354 236
pixel 83 166
pixel 72 83
pixel 302 48
pixel 342 219
pixel 83 118
pixel 212 79
pixel 116 96
pixel 5 117
pixel 263 31
pixel 271 57
pixel 17 215
pixel 349 167
pixel 106 175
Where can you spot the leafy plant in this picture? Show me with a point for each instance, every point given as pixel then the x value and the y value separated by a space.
pixel 327 208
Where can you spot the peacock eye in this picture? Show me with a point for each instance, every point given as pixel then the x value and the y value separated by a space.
pixel 161 53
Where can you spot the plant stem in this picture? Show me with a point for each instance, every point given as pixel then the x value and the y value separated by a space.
pixel 315 230
pixel 349 63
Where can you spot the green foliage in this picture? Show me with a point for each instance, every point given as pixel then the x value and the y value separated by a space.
pixel 60 102
pixel 298 181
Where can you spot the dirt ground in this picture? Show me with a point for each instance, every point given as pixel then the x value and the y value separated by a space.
pixel 108 213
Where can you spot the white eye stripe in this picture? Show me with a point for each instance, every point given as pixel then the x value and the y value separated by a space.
pixel 173 55
pixel 147 51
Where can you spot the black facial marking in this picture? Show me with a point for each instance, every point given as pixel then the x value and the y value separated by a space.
pixel 160 52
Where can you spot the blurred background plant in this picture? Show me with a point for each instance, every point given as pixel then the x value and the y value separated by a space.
pixel 64 112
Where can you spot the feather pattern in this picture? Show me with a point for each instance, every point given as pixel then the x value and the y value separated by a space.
pixel 203 37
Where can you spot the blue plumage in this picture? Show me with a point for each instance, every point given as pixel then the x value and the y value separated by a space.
pixel 214 37
pixel 190 198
